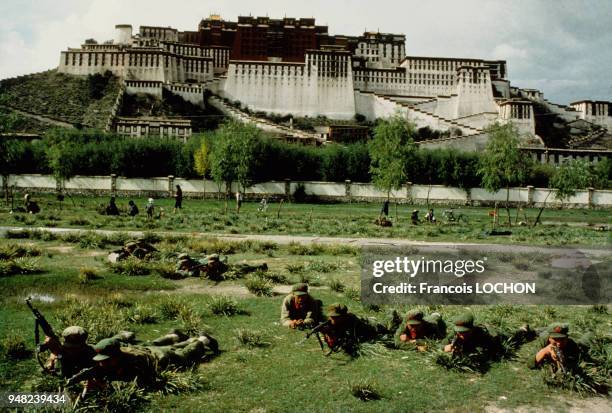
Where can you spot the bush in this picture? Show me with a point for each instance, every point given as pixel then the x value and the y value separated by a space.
pixel 141 314
pixel 224 305
pixel 14 347
pixel 336 285
pixel 130 267
pixel 295 248
pixel 87 274
pixel 250 338
pixel 258 285
pixel 365 390
pixel 12 251
pixel 19 266
pixel 171 308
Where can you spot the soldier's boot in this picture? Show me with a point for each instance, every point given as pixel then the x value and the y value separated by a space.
pixel 209 342
pixel 125 336
pixel 173 337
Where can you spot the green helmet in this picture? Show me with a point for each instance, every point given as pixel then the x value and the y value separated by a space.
pixel 107 348
pixel 558 330
pixel 464 322
pixel 300 289
pixel 414 317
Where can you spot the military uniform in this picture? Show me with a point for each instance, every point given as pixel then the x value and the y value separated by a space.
pixel 309 310
pixel 468 338
pixel 138 249
pixel 189 267
pixel 74 354
pixel 430 327
pixel 567 356
pixel 141 362
pixel 346 330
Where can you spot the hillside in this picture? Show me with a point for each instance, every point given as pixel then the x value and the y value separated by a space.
pixel 81 101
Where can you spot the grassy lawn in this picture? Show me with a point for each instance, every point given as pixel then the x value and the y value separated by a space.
pixel 279 371
pixel 561 227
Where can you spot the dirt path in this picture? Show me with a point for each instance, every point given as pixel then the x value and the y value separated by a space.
pixel 354 241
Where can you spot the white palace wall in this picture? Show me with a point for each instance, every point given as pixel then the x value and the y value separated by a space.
pixel 321 86
pixel 339 191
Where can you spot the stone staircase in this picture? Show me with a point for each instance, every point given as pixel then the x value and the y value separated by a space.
pixel 443 122
pixel 265 124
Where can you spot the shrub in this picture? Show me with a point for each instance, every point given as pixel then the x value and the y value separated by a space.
pixel 352 294
pixel 320 266
pixel 224 305
pixel 336 285
pixel 295 268
pixel 171 308
pixel 87 274
pixel 295 248
pixel 258 285
pixel 12 251
pixel 365 390
pixel 166 270
pixel 141 314
pixel 19 266
pixel 250 338
pixel 130 267
pixel 14 347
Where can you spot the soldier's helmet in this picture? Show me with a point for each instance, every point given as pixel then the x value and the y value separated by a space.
pixel 464 322
pixel 300 289
pixel 183 256
pixel 106 349
pixel 559 330
pixel 414 317
pixel 74 336
pixel 337 310
pixel 213 257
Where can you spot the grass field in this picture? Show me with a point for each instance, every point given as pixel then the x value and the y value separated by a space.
pixel 561 227
pixel 273 370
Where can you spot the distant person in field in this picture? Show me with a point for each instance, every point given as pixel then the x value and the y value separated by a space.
pixel 31 207
pixel 430 217
pixel 414 217
pixel 384 211
pixel 238 201
pixel 150 208
pixel 132 209
pixel 111 208
pixel 178 199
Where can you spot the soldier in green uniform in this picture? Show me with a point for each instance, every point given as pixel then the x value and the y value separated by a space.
pixel 114 362
pixel 189 267
pixel 418 327
pixel 559 350
pixel 345 331
pixel 137 249
pixel 299 309
pixel 469 338
pixel 73 355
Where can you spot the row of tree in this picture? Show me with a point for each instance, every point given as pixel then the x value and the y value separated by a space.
pixel 242 153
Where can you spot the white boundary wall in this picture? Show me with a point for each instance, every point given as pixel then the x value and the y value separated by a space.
pixel 330 191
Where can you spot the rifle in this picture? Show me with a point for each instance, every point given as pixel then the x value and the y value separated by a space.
pixel 560 358
pixel 315 330
pixel 85 374
pixel 41 321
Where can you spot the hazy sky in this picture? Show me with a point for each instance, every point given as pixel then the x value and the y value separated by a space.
pixel 563 48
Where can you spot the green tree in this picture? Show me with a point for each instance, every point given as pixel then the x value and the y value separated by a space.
pixel 568 177
pixel 502 164
pixel 233 154
pixel 201 162
pixel 390 151
pixel 11 155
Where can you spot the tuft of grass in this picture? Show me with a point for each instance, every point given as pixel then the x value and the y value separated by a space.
pixel 258 285
pixel 13 347
pixel 295 248
pixel 172 381
pixel 274 278
pixel 166 270
pixel 88 274
pixel 171 308
pixel 336 285
pixel 224 305
pixel 12 251
pixel 295 268
pixel 130 267
pixel 365 390
pixel 19 266
pixel 119 397
pixel 250 338
pixel 352 294
pixel 321 266
pixel 141 314
pixel 598 309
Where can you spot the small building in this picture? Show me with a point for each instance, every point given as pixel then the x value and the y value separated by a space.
pixel 153 126
pixel 347 133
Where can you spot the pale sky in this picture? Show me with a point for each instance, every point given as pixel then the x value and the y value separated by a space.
pixel 562 47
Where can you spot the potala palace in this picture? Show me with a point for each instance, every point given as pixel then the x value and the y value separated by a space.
pixel 293 66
